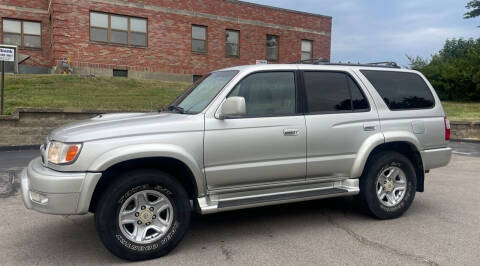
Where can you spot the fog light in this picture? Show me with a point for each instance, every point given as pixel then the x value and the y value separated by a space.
pixel 38 198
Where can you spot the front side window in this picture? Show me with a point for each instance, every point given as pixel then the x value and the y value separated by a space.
pixel 197 97
pixel 401 90
pixel 330 92
pixel 232 38
pixel 307 48
pixel 268 93
pixel 272 47
pixel 25 34
pixel 199 39
pixel 118 29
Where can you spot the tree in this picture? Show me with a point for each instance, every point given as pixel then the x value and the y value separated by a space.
pixel 474 5
pixel 417 63
pixel 454 71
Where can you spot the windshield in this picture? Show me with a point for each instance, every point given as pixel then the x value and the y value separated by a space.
pixel 197 97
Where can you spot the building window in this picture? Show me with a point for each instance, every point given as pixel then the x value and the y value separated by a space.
pixel 272 47
pixel 231 42
pixel 24 34
pixel 199 39
pixel 120 73
pixel 197 78
pixel 307 49
pixel 118 29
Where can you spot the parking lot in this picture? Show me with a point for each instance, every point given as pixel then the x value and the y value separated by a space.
pixel 442 227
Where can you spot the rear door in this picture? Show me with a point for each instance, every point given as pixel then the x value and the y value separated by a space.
pixel 340 116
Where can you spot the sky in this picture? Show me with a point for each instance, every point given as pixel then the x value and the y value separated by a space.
pixel 388 30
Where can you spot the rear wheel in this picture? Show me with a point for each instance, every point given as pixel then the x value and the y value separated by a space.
pixel 388 186
pixel 143 215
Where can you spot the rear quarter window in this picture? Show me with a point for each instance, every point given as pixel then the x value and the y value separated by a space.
pixel 401 90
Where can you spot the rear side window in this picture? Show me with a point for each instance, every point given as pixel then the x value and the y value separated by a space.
pixel 333 92
pixel 401 90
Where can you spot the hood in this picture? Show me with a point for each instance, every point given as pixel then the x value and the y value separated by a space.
pixel 115 125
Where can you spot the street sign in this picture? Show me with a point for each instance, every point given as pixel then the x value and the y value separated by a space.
pixel 7 54
pixel 261 62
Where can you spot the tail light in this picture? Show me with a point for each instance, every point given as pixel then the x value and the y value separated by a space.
pixel 447 128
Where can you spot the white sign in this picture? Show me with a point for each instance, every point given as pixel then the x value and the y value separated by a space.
pixel 261 62
pixel 7 54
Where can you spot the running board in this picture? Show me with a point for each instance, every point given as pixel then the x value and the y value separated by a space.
pixel 220 202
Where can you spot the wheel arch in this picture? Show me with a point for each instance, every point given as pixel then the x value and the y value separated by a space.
pixel 173 166
pixel 406 148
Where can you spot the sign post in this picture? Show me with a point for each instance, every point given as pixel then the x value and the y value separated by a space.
pixel 3 87
pixel 8 55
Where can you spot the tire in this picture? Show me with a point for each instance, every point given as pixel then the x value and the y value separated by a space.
pixel 141 196
pixel 400 172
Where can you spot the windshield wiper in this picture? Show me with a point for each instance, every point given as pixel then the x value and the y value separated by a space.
pixel 176 108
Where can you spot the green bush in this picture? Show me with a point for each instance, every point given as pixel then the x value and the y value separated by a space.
pixel 454 71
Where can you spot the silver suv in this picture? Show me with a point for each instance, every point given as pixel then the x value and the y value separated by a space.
pixel 244 137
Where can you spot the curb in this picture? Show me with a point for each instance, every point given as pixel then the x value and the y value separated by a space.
pixel 19 148
pixel 466 140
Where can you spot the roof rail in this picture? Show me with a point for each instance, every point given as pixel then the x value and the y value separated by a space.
pixel 323 61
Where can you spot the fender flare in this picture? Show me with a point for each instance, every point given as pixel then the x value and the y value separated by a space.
pixel 364 152
pixel 376 140
pixel 138 151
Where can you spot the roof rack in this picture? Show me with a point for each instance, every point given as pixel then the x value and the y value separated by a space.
pixel 322 61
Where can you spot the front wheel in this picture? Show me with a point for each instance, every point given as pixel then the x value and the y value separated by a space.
pixel 143 215
pixel 388 185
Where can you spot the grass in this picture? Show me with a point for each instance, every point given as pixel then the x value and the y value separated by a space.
pixel 73 91
pixel 460 111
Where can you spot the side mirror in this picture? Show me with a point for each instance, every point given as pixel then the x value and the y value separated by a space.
pixel 233 107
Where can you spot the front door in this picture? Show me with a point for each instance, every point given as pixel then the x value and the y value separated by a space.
pixel 267 145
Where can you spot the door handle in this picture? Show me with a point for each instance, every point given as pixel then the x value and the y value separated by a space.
pixel 369 127
pixel 290 132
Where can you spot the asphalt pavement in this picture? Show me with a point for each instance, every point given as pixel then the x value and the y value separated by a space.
pixel 442 227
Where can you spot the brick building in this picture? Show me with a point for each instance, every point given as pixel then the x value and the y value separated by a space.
pixel 169 39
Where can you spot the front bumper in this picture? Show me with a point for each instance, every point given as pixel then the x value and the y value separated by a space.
pixel 55 192
pixel 435 158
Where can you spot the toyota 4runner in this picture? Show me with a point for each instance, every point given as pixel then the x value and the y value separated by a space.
pixel 244 137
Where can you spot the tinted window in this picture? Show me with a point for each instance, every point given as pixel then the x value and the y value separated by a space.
pixel 401 90
pixel 269 93
pixel 359 102
pixel 330 92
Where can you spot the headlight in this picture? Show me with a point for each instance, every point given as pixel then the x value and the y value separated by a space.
pixel 63 153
